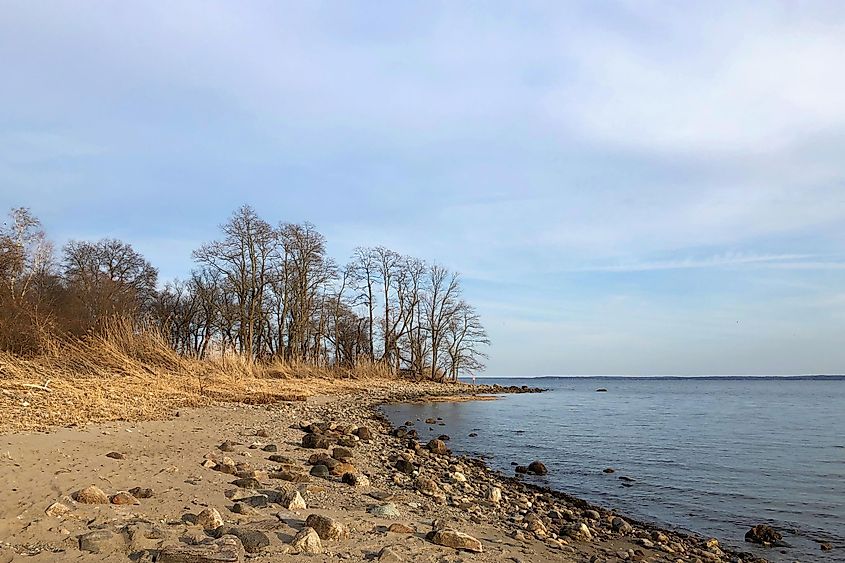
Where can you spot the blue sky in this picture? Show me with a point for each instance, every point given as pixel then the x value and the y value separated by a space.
pixel 627 187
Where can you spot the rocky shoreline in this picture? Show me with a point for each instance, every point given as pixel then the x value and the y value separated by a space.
pixel 328 477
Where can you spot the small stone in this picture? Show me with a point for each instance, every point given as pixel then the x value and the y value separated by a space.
pixel 404 466
pixel 387 510
pixel 227 549
pixel 609 470
pixel 100 541
pixel 244 509
pixel 327 528
pixel 763 535
pixel 123 497
pixel 342 454
pixel 427 487
pixel 115 455
pixel 307 540
pixel 209 519
pixel 355 479
pixel 437 447
pixel 578 531
pixel 57 510
pixel 494 495
pixel 826 546
pixel 292 500
pixel 455 539
pixel 227 446
pixel 398 528
pixel 262 433
pixel 315 441
pixel 270 448
pixel 91 495
pixel 389 554
pixel 320 470
pixel 621 526
pixel 141 492
pixel 247 483
pixel 364 433
pixel 537 468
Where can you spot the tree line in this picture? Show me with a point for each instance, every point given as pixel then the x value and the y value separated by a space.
pixel 264 292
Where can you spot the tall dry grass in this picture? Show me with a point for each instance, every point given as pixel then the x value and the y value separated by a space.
pixel 122 373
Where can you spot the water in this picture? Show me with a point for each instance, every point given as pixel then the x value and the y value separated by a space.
pixel 709 456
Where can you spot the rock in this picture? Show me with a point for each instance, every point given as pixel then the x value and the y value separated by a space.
pixel 387 510
pixel 455 539
pixel 578 531
pixel 431 420
pixel 494 495
pixel 364 433
pixel 398 528
pixel 355 479
pixel 621 526
pixel 247 483
pixel 227 549
pixel 209 519
pixel 537 468
pixel 57 510
pixel 437 447
pixel 270 448
pixel 307 540
pixel 428 487
pixel 521 469
pixel 244 509
pixel 141 492
pixel 281 459
pixel 404 466
pixel 763 535
pixel 609 470
pixel 101 541
pixel 327 528
pixel 315 441
pixel 261 433
pixel 253 541
pixel 227 446
pixel 826 546
pixel 342 468
pixel 91 495
pixel 601 390
pixel 444 438
pixel 592 514
pixel 123 497
pixel 115 455
pixel 320 471
pixel 659 537
pixel 473 435
pixel 389 554
pixel 347 441
pixel 292 500
pixel 342 454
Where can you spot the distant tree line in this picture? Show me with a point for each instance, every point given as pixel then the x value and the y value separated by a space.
pixel 264 292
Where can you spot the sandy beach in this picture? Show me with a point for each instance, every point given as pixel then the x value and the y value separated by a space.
pixel 234 482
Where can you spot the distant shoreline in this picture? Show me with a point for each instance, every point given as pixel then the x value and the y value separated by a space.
pixel 675 377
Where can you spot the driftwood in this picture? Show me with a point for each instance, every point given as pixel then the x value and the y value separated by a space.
pixel 39 387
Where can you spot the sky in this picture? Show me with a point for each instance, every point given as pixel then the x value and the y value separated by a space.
pixel 629 187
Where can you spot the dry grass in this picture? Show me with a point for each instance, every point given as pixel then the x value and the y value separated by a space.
pixel 128 375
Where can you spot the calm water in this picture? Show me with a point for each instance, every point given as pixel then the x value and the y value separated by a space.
pixel 710 456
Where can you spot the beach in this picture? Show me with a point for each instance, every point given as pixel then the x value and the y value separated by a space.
pixel 233 482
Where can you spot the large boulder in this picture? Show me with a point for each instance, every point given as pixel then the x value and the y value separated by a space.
pixel 316 441
pixel 438 447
